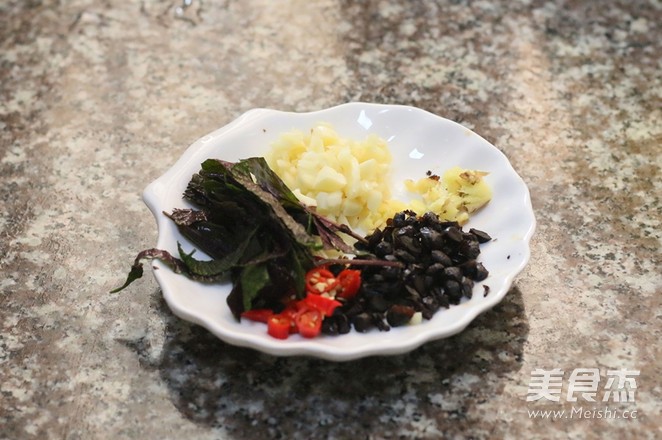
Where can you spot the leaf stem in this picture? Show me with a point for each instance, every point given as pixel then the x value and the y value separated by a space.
pixel 359 262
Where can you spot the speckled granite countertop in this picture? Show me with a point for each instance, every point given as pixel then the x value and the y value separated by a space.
pixel 99 98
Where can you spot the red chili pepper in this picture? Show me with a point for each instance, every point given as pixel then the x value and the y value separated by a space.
pixel 350 283
pixel 305 316
pixel 322 303
pixel 309 322
pixel 291 312
pixel 278 326
pixel 320 280
pixel 258 315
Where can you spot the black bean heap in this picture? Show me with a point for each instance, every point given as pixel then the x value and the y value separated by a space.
pixel 433 266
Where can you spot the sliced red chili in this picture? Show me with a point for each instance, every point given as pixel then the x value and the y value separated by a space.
pixel 258 315
pixel 309 322
pixel 350 283
pixel 278 326
pixel 291 312
pixel 322 303
pixel 305 316
pixel 320 280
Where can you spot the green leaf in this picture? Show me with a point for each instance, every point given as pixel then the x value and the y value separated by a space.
pixel 253 279
pixel 204 267
pixel 300 265
pixel 135 273
pixel 268 180
pixel 291 226
pixel 219 266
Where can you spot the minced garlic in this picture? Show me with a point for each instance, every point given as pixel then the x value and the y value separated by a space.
pixel 347 180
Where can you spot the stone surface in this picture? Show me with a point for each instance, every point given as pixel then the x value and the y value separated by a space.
pixel 99 98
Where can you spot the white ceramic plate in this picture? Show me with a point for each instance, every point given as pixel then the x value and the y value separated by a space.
pixel 419 141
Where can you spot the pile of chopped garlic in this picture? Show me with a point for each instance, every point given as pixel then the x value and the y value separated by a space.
pixel 348 181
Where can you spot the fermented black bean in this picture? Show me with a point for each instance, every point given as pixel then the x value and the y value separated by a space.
pixel 437 268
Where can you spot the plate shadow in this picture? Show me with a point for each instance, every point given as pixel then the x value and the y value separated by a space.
pixel 255 395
